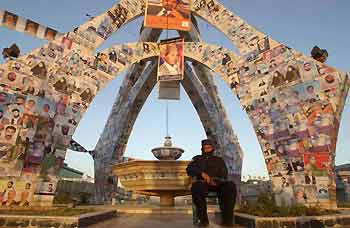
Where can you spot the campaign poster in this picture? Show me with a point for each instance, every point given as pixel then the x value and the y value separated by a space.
pixel 46 188
pixel 16 192
pixel 171 60
pixel 168 14
pixel 10 20
pixel 316 164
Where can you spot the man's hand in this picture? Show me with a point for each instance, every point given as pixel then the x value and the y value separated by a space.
pixel 212 182
pixel 208 179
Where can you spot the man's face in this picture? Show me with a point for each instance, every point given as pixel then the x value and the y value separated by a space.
pixel 208 148
pixel 300 194
pixel 312 160
pixel 307 66
pixel 31 28
pixel 310 90
pixel 67 43
pixel 10 21
pixel 64 129
pixel 171 57
pixel 75 108
pixel 25 119
pixel 169 4
pixel 267 146
pixel 46 108
pixel 30 104
pixel 11 76
pixel 15 113
pixel 19 101
pixel 9 132
pixel 50 35
pixel 103 57
pixel 9 184
pixel 200 48
pixel 3 97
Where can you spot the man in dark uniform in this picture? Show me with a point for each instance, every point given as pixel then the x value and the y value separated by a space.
pixel 210 175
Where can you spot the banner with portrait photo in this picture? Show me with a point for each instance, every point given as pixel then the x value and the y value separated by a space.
pixel 46 188
pixel 16 192
pixel 9 20
pixel 168 14
pixel 317 164
pixel 171 60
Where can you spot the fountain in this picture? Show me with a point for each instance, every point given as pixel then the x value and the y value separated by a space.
pixel 165 177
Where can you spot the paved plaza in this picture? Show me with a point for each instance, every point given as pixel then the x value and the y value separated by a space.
pixel 152 221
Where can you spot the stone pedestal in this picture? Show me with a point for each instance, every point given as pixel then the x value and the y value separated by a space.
pixel 42 200
pixel 167 199
pixel 166 179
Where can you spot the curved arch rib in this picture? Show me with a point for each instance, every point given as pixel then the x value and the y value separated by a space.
pixel 244 36
pixel 18 23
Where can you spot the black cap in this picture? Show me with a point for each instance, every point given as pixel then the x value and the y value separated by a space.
pixel 207 142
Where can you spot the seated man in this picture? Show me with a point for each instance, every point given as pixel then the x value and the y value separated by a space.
pixel 210 174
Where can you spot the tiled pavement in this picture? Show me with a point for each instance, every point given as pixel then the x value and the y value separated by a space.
pixel 153 221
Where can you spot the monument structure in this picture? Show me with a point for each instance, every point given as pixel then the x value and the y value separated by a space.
pixel 294 102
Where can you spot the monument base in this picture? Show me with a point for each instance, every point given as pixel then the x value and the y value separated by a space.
pixel 167 199
pixel 165 179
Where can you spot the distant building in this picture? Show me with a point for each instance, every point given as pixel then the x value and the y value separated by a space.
pixel 253 187
pixel 68 172
pixel 75 185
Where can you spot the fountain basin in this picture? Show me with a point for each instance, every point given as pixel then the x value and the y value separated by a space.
pixel 165 178
pixel 167 153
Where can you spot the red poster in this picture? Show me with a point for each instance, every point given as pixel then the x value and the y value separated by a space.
pixel 168 14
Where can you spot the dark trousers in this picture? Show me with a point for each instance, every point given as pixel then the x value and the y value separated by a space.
pixel 226 193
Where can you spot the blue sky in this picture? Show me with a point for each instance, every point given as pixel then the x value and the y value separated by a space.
pixel 300 24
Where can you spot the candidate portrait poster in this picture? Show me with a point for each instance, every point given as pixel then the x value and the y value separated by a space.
pixel 168 14
pixel 171 60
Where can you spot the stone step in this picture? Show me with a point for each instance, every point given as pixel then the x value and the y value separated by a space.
pixel 154 220
pixel 159 210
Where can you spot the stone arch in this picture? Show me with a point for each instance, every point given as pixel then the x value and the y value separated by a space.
pixel 216 125
pixel 115 141
pixel 295 113
pixel 244 36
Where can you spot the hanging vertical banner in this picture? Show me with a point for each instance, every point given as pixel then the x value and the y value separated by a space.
pixel 169 90
pixel 171 60
pixel 168 14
